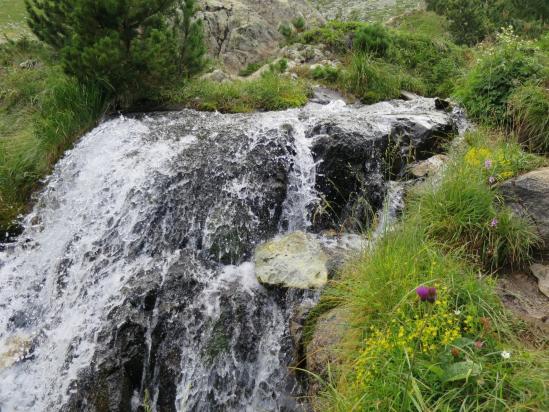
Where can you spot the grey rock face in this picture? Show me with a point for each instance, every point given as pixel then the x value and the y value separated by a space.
pixel 428 167
pixel 541 272
pixel 246 31
pixel 528 196
pixel 357 10
pixel 329 329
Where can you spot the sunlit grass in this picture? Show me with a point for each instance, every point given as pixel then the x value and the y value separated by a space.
pixel 12 19
pixel 42 112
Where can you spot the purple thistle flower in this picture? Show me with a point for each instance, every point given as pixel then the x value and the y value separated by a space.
pixel 494 222
pixel 488 164
pixel 491 180
pixel 427 294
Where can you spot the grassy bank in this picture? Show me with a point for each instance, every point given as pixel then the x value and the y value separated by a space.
pixel 42 112
pixel 463 351
pixel 268 92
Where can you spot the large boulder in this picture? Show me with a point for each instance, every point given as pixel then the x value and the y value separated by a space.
pixel 293 261
pixel 528 196
pixel 239 32
pixel 428 167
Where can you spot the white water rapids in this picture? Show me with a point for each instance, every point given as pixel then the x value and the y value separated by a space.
pixel 140 207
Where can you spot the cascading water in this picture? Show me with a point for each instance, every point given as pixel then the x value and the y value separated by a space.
pixel 133 277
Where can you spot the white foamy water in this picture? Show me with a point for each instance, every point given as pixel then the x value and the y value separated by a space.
pixel 150 222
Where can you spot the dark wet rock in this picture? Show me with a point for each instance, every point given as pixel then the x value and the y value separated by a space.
pixel 528 196
pixel 357 158
pixel 442 104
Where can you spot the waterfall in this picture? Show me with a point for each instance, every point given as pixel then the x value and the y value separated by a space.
pixel 133 275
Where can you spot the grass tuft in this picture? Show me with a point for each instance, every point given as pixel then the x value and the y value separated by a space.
pixel 269 92
pixel 529 111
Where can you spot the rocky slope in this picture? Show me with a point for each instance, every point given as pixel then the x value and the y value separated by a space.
pixel 246 31
pixel 363 10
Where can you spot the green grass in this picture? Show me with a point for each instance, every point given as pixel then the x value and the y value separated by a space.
pixel 269 92
pixel 379 62
pixel 42 112
pixel 401 354
pixel 500 69
pixel 424 23
pixel 12 19
pixel 529 112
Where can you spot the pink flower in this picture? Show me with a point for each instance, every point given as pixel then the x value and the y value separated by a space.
pixel 427 294
pixel 488 164
pixel 491 180
pixel 494 222
pixel 479 344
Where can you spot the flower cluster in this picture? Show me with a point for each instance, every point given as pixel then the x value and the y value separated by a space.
pixel 416 330
pixel 495 164
pixel 428 294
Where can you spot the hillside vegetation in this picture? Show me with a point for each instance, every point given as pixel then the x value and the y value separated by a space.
pixel 425 328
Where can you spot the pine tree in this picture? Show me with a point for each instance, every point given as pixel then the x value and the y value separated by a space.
pixel 129 48
pixel 193 48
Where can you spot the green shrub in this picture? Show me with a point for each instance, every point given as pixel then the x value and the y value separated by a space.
pixel 327 73
pixel 299 24
pixel 415 61
pixel 464 211
pixel 250 69
pixel 470 21
pixel 270 92
pixel 373 39
pixel 486 89
pixel 286 31
pixel 436 62
pixel 529 113
pixel 426 23
pixel 127 49
pixel 336 35
pixel 280 66
pixel 373 80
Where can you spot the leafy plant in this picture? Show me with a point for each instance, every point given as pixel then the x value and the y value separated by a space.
pixel 299 24
pixel 373 39
pixel 250 69
pixel 326 73
pixel 501 69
